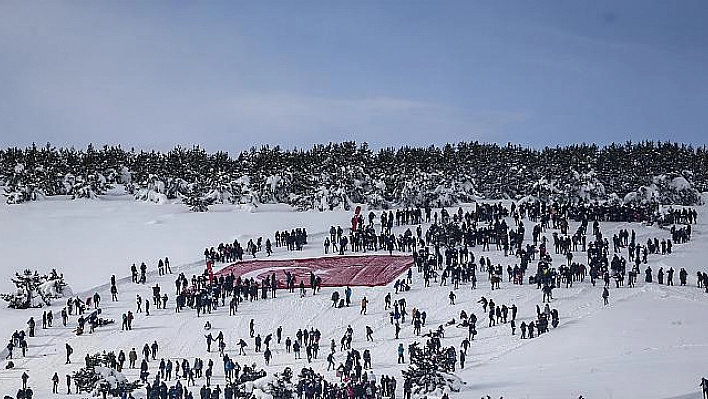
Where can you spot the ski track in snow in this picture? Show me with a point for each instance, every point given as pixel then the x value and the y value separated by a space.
pixel 649 342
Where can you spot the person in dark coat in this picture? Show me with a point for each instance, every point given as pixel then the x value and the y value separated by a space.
pixel 69 351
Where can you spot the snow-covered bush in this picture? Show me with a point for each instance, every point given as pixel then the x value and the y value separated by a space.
pixel 586 187
pixel 666 189
pixel 19 193
pixel 99 377
pixel 151 190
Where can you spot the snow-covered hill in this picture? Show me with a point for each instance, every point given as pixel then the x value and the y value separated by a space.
pixel 650 342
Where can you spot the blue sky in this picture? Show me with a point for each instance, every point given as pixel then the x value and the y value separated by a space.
pixel 229 75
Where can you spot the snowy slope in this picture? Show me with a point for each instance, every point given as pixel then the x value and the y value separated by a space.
pixel 649 343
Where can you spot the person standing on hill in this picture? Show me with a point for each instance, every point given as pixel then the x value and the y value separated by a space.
pixel 69 351
pixel 132 357
pixel 30 326
pixel 704 387
pixel 670 276
pixel 55 383
pixel 348 295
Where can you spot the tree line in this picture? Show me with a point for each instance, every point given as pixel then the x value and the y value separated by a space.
pixel 340 174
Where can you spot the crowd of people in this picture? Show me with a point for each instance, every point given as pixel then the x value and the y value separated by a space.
pixel 444 253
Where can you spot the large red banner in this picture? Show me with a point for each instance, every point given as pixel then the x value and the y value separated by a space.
pixel 335 271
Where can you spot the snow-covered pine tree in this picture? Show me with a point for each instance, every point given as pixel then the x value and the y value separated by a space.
pixel 429 371
pixel 99 376
pixel 20 186
pixel 90 187
pixel 195 199
pixel 31 285
pixel 26 284
pixel 220 191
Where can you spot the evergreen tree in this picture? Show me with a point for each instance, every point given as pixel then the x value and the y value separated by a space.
pixel 430 369
pixel 195 200
pixel 31 285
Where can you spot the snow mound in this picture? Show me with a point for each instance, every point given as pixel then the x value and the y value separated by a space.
pixel 151 195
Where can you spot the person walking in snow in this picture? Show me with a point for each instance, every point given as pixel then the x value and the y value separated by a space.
pixel 330 361
pixel 69 351
pixel 10 347
pixel 258 340
pixel 267 356
pixel 153 349
pixel 605 296
pixel 242 344
pixel 484 303
pixel 146 352
pixel 364 302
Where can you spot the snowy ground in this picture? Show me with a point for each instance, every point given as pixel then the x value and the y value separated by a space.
pixel 649 343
